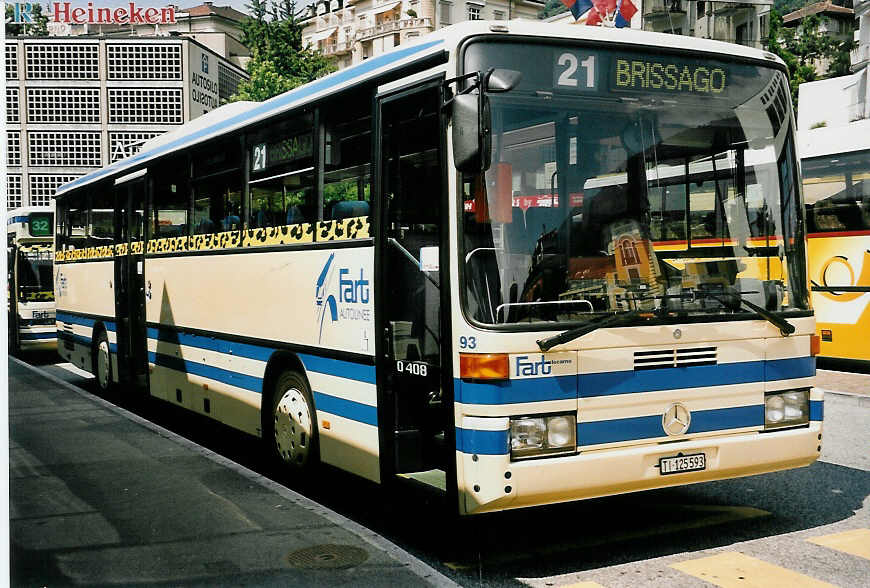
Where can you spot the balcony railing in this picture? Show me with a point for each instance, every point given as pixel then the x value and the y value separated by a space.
pixel 393 26
pixel 653 8
pixel 337 48
pixel 860 55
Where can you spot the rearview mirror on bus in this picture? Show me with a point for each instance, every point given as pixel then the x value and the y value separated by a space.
pixel 471 118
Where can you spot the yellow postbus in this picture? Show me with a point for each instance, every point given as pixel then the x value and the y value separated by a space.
pixel 836 176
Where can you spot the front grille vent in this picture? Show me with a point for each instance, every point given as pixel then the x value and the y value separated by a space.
pixel 668 358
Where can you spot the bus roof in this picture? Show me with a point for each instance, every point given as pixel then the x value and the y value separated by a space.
pixel 232 116
pixel 832 140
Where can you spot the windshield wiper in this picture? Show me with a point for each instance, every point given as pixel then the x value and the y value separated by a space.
pixel 614 320
pixel 785 327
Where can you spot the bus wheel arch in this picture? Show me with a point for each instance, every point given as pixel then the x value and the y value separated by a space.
pixel 101 358
pixel 289 417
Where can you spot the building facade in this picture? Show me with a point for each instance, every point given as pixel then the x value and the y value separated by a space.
pixel 744 23
pixel 846 99
pixel 354 30
pixel 835 22
pixel 79 103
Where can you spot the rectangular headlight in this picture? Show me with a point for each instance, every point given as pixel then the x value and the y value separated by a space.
pixel 533 436
pixel 787 408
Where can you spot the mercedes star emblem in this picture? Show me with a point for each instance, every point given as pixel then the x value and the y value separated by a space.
pixel 676 419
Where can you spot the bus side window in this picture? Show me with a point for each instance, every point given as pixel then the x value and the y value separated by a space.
pixel 282 180
pixel 77 217
pixel 347 161
pixel 217 188
pixel 101 229
pixel 60 224
pixel 171 201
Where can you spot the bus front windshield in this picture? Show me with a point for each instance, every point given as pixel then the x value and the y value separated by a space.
pixel 35 279
pixel 624 181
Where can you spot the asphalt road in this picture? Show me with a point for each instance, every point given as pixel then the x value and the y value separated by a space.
pixel 805 527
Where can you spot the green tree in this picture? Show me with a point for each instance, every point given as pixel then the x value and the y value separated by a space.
pixel 39 28
pixel 278 60
pixel 552 8
pixel 800 46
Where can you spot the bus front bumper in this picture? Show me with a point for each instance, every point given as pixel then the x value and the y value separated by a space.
pixel 493 482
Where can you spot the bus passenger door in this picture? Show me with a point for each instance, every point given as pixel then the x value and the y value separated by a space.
pixel 411 270
pixel 132 354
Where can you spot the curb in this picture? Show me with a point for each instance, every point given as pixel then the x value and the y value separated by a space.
pixel 417 566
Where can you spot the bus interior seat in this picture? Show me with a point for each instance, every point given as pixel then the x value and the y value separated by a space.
pixel 349 209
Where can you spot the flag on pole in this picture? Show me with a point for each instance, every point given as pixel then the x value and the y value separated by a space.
pixel 624 11
pixel 578 7
pixel 619 12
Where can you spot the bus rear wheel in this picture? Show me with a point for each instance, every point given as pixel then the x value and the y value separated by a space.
pixel 103 362
pixel 294 422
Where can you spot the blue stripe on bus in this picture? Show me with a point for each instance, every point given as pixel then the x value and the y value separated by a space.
pixel 650 427
pixel 817 410
pixel 16 219
pixel 81 339
pixel 75 319
pixel 631 381
pixel 313 363
pixel 271 106
pixel 210 343
pixel 339 368
pixel 514 391
pixel 252 383
pixel 355 411
pixel 482 442
pixel 786 369
pixel 33 336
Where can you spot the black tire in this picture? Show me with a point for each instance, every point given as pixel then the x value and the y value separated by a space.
pixel 102 362
pixel 292 429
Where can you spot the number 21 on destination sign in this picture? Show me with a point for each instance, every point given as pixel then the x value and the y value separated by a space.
pixel 575 70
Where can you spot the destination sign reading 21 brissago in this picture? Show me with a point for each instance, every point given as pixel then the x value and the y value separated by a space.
pixel 580 71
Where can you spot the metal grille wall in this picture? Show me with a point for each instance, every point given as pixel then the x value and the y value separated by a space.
pixel 13 147
pixel 62 61
pixel 13 190
pixel 139 62
pixel 125 144
pixel 43 187
pixel 64 148
pixel 11 61
pixel 63 105
pixel 133 105
pixel 228 81
pixel 12 109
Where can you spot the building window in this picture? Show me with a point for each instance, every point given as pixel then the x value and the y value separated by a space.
pixel 43 187
pixel 228 81
pixel 144 62
pixel 62 61
pixel 446 9
pixel 13 191
pixel 140 105
pixel 498 15
pixel 63 105
pixel 473 12
pixel 13 147
pixel 124 144
pixel 46 148
pixel 12 111
pixel 11 61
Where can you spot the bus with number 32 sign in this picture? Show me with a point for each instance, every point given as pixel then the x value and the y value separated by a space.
pixel 519 263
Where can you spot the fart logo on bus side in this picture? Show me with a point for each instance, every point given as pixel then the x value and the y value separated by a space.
pixel 344 301
pixel 538 365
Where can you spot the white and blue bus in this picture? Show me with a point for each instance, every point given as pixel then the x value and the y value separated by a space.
pixel 438 265
pixel 30 292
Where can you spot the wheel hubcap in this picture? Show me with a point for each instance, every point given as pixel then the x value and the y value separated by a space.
pixel 293 427
pixel 103 364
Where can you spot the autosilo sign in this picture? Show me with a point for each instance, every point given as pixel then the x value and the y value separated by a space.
pixel 203 85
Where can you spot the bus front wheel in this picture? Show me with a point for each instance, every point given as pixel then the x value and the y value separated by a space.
pixel 103 362
pixel 294 422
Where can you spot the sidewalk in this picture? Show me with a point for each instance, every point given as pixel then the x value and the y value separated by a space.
pixel 100 496
pixel 849 383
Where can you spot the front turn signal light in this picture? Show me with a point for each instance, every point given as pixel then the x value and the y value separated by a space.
pixel 483 366
pixel 815 345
